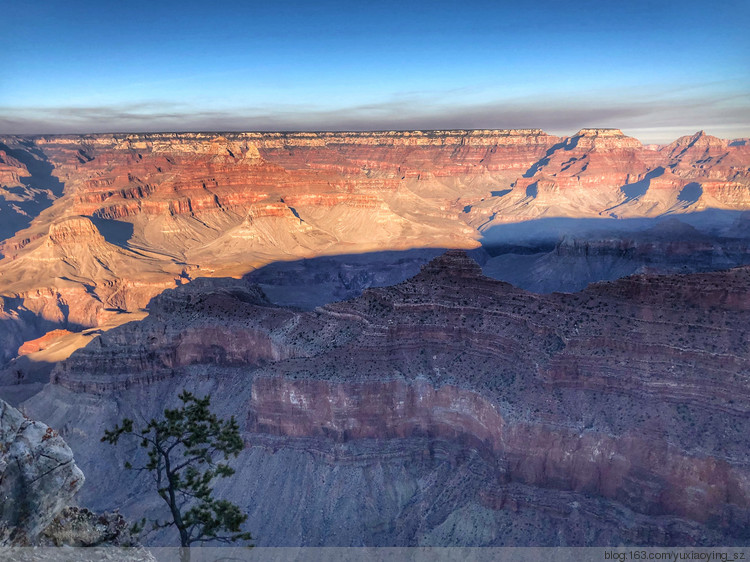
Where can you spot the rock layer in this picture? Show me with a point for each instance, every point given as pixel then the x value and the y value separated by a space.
pixel 645 475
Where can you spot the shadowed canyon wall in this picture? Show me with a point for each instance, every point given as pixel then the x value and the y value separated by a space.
pixel 616 414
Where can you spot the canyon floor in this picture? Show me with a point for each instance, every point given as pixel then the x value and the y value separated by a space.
pixel 465 338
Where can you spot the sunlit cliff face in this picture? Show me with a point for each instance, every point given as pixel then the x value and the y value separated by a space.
pixel 100 224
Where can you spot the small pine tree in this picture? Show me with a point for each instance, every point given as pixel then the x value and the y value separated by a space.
pixel 187 449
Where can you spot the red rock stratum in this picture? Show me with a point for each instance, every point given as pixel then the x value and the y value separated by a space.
pixel 99 224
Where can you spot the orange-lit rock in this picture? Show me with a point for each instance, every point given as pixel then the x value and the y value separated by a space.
pixel 174 206
pixel 42 343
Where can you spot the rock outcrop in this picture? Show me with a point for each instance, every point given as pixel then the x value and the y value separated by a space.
pixel 38 477
pixel 621 409
pixel 80 527
pixel 11 171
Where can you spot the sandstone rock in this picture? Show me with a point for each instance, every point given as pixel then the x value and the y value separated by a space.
pixel 38 476
pixel 11 171
pixel 41 343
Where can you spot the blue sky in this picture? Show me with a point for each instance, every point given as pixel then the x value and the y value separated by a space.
pixel 656 69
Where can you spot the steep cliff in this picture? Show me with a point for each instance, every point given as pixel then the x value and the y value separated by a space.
pixel 11 171
pixel 617 414
pixel 602 172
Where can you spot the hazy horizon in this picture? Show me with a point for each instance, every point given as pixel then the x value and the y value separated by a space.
pixel 558 133
pixel 656 71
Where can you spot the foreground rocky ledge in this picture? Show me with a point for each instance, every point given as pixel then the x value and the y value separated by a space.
pixel 38 476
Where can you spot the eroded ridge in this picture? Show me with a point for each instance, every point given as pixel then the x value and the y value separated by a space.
pixel 634 391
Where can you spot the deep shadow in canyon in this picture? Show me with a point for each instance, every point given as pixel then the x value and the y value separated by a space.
pixel 448 409
pixel 596 395
pixel 543 256
pixel 37 193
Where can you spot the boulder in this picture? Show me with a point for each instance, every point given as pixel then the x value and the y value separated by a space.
pixel 38 476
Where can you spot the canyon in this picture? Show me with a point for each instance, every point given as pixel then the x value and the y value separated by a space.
pixel 97 225
pixel 572 371
pixel 450 408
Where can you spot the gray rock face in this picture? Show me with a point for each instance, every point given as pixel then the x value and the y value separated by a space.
pixel 38 476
